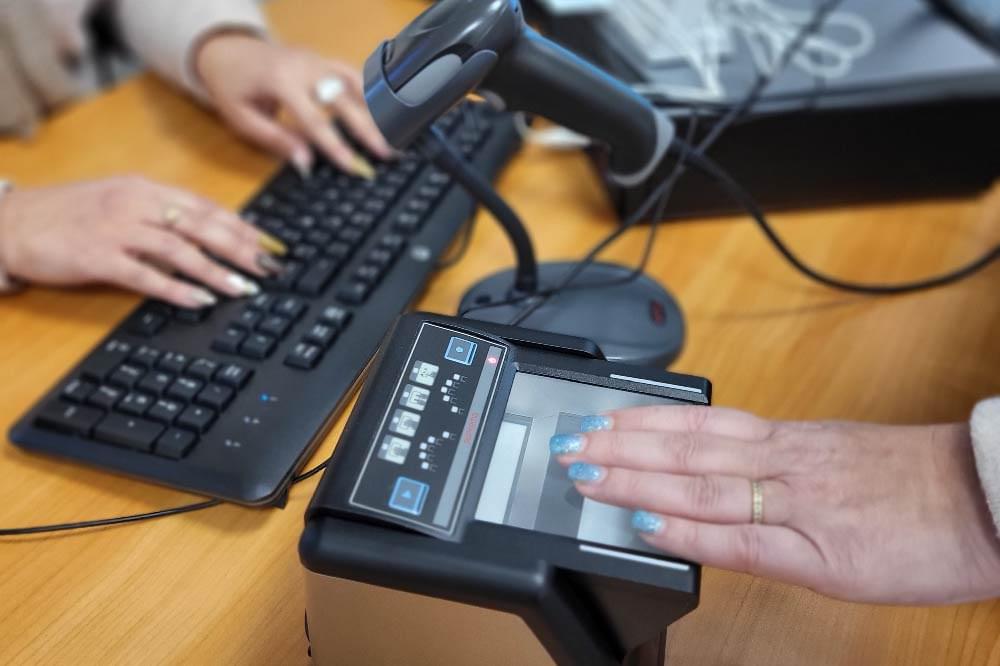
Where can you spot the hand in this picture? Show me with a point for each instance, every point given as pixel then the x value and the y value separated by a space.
pixel 250 80
pixel 133 233
pixel 858 512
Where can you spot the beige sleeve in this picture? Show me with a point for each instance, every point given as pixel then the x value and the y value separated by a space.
pixel 164 32
pixel 986 443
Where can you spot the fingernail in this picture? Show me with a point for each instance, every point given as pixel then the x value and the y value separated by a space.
pixel 363 168
pixel 202 297
pixel 272 245
pixel 585 473
pixel 243 285
pixel 270 264
pixel 646 522
pixel 303 163
pixel 562 444
pixel 595 423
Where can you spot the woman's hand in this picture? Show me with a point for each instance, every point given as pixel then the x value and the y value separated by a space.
pixel 250 80
pixel 133 233
pixel 859 512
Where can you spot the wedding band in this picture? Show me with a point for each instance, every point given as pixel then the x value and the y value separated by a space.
pixel 171 216
pixel 328 90
pixel 757 501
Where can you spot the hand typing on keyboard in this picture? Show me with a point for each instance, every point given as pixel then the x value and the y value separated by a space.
pixel 135 234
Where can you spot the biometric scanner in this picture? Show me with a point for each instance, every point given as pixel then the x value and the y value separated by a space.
pixel 444 532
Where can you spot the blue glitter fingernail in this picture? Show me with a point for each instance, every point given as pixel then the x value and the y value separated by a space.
pixel 595 423
pixel 646 522
pixel 560 445
pixel 585 473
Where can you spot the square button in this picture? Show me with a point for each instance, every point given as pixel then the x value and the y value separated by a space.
pixel 461 351
pixel 405 423
pixel 424 373
pixel 414 397
pixel 394 449
pixel 408 496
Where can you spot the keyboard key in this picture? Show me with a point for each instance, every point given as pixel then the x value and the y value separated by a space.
pixel 73 419
pixel 165 411
pixel 364 221
pixel 284 281
pixel 392 242
pixel 234 375
pixel 291 307
pixel 196 418
pixel 354 293
pixel 202 368
pixel 258 346
pixel 262 301
pixel 215 396
pixel 338 251
pixel 275 325
pixel 192 315
pixel 380 258
pixel 304 253
pixel 78 390
pixel 145 356
pixel 229 340
pixel 304 356
pixel 335 316
pixel 407 222
pixel 184 389
pixel 105 397
pixel 104 361
pixel 133 433
pixel 319 238
pixel 156 383
pixel 248 319
pixel 315 280
pixel 418 206
pixel 136 404
pixel 321 335
pixel 175 444
pixel 126 376
pixel 173 362
pixel 146 323
pixel 368 274
pixel 350 235
pixel 333 223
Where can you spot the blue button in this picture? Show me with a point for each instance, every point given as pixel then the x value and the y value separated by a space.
pixel 408 496
pixel 461 351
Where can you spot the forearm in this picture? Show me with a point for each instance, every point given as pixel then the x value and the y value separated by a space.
pixel 985 426
pixel 167 33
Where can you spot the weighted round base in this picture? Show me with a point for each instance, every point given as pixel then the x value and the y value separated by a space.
pixel 636 322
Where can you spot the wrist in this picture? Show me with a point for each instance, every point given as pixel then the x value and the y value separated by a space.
pixel 8 282
pixel 217 49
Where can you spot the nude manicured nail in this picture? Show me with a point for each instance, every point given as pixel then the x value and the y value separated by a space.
pixel 272 245
pixel 303 163
pixel 202 297
pixel 243 285
pixel 270 264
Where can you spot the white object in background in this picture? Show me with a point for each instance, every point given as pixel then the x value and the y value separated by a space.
pixel 567 7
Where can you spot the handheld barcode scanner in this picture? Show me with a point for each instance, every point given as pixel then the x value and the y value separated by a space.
pixel 460 46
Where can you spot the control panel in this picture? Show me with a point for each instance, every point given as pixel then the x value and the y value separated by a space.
pixel 418 466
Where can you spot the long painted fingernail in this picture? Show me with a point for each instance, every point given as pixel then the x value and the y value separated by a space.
pixel 560 445
pixel 272 244
pixel 270 264
pixel 595 423
pixel 243 285
pixel 363 168
pixel 202 297
pixel 303 162
pixel 646 522
pixel 585 473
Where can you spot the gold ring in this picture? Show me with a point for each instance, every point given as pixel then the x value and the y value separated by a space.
pixel 757 502
pixel 171 216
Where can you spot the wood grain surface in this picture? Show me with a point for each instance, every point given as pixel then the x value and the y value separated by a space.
pixel 224 586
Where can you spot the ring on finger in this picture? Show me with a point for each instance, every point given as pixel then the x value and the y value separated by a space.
pixel 171 216
pixel 756 502
pixel 328 90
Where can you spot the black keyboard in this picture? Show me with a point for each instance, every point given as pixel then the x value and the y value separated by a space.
pixel 231 401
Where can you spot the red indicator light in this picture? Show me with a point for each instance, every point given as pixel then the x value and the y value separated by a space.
pixel 492 360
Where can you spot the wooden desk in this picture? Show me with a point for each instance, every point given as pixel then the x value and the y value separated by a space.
pixel 224 586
